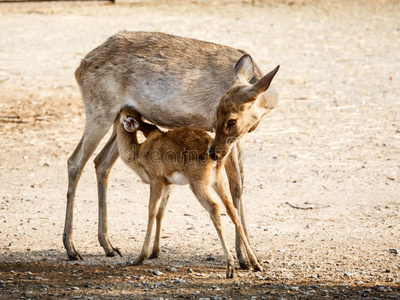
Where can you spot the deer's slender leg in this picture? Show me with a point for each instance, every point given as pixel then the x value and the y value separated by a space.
pixel 240 155
pixel 76 162
pixel 159 217
pixel 104 162
pixel 220 188
pixel 156 190
pixel 232 168
pixel 203 195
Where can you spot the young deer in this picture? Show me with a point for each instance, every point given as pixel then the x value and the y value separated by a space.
pixel 172 81
pixel 179 156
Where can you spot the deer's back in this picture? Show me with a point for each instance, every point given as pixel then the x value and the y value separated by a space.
pixel 172 81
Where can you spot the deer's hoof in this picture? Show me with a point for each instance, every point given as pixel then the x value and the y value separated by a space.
pixel 75 256
pixel 114 252
pixel 244 264
pixel 154 255
pixel 230 270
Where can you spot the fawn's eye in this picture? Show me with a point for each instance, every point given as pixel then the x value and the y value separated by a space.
pixel 231 122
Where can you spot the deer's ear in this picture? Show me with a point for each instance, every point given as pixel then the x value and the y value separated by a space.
pixel 244 68
pixel 263 84
pixel 130 124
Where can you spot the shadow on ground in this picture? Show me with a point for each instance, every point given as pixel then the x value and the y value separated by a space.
pixel 54 277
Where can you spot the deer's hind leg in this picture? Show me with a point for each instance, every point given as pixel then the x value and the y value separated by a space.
pixel 104 162
pixel 77 161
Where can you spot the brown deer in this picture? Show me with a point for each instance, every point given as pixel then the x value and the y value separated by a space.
pixel 172 81
pixel 179 156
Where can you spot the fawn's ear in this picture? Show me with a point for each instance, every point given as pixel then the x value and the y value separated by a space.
pixel 130 124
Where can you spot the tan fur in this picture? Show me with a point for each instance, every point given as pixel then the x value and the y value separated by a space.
pixel 172 81
pixel 180 151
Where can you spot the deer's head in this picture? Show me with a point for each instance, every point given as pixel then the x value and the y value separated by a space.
pixel 242 107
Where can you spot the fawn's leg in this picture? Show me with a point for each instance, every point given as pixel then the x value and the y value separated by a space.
pixel 159 217
pixel 104 162
pixel 220 188
pixel 76 163
pixel 156 190
pixel 202 193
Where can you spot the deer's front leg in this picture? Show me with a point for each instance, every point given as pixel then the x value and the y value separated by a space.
pixel 103 163
pixel 234 172
pixel 156 191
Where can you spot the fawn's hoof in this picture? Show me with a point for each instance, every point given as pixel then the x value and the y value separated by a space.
pixel 114 252
pixel 137 262
pixel 154 255
pixel 257 267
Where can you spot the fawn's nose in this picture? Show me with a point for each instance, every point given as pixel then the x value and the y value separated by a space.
pixel 212 154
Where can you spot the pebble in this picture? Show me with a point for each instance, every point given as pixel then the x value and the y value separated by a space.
pixel 210 258
pixel 294 288
pixel 75 288
pixel 359 282
pixel 156 272
pixel 215 288
pixel 190 271
pixel 394 251
pixel 180 280
pixel 27 293
pixel 381 288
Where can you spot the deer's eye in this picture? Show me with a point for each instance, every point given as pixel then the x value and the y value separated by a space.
pixel 231 122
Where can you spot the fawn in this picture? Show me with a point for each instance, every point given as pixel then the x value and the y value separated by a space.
pixel 178 156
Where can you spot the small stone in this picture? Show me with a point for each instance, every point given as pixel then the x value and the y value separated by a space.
pixel 75 288
pixel 394 251
pixel 27 293
pixel 156 272
pixel 190 271
pixel 367 291
pixel 359 282
pixel 294 288
pixel 180 280
pixel 215 288
pixel 389 289
pixel 210 258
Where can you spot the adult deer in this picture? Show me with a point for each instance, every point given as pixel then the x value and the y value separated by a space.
pixel 172 81
pixel 179 156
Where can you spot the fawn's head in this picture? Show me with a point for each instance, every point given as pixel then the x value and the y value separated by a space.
pixel 242 107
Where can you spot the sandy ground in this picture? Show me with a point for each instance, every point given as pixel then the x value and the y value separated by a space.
pixel 331 147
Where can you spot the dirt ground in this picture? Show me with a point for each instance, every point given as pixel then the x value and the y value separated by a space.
pixel 322 170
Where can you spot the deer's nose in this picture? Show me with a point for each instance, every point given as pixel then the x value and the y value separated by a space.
pixel 212 154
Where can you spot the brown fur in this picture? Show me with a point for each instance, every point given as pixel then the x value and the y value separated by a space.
pixel 197 168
